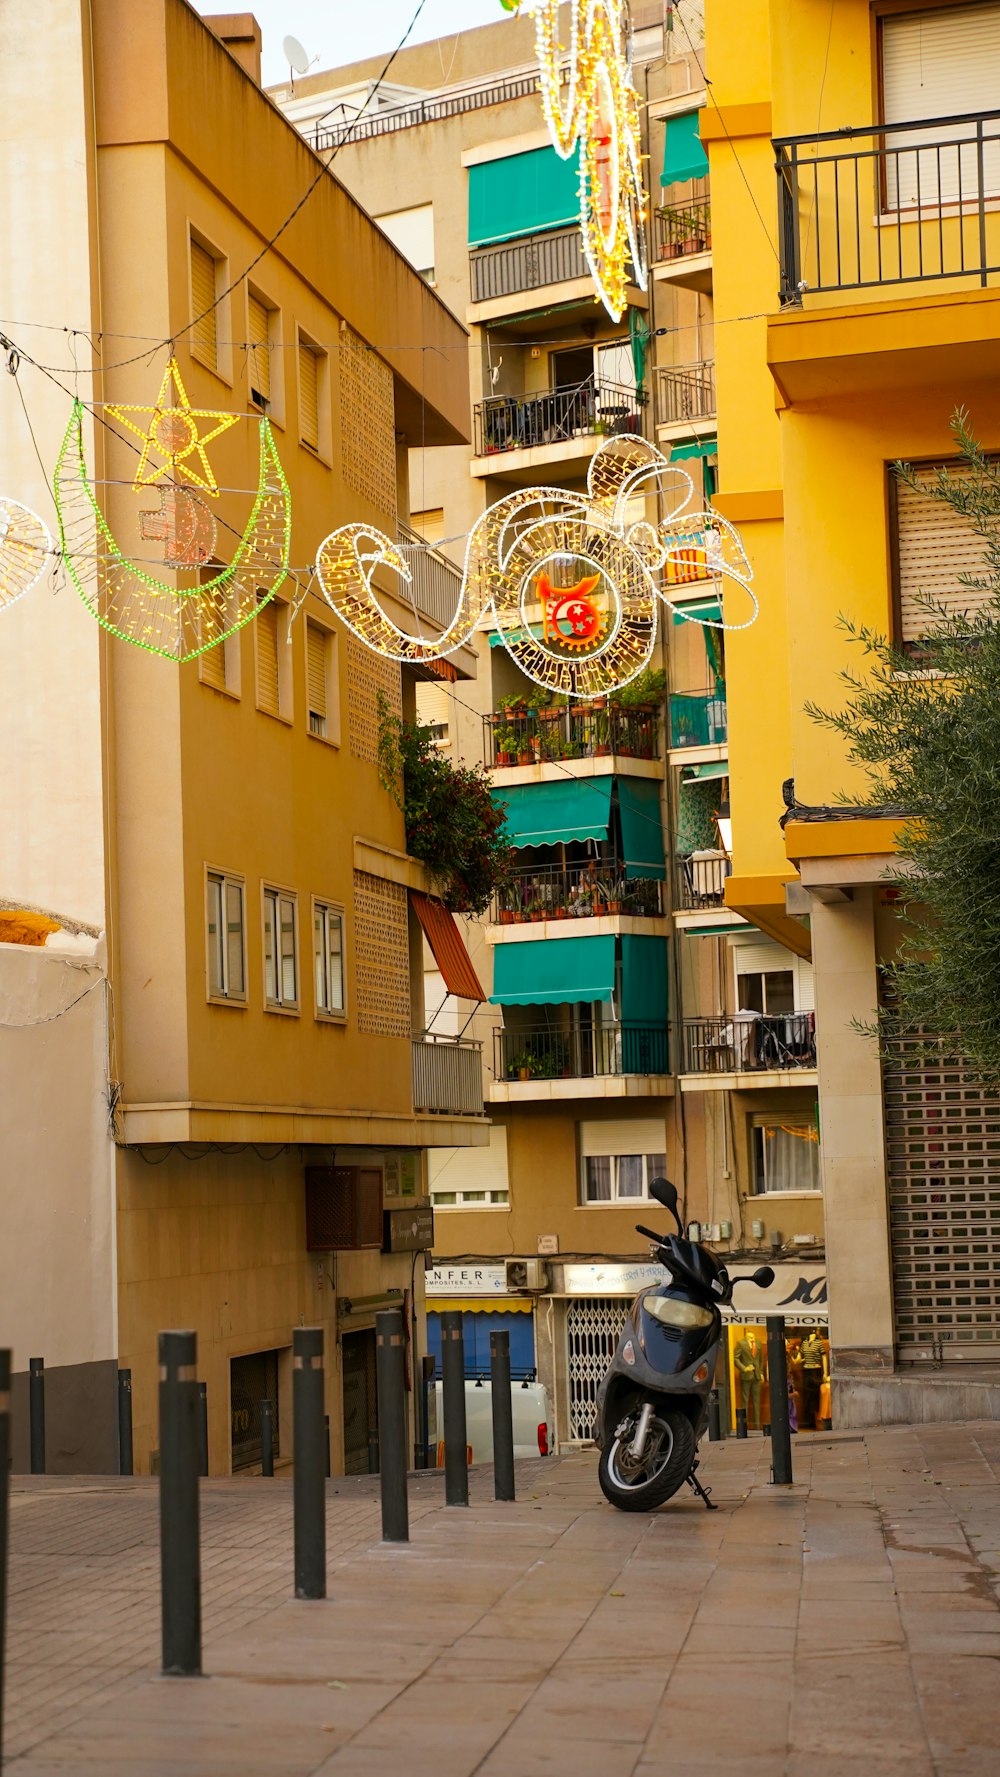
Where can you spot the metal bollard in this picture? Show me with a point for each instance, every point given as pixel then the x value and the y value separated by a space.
pixel 5 1364
pixel 309 1488
pixel 741 1422
pixel 124 1422
pixel 777 1375
pixel 714 1417
pixel 391 1382
pixel 36 1414
pixel 503 1417
pixel 326 1435
pixel 456 1456
pixel 266 1438
pixel 203 1428
pixel 180 1551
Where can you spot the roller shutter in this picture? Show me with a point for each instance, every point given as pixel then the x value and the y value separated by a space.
pixel 260 352
pixel 933 545
pixel 940 63
pixel 204 333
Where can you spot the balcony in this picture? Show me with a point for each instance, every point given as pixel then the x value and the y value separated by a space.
pixel 447 1076
pixel 609 1051
pixel 598 889
pixel 436 582
pixel 527 264
pixel 550 735
pixel 750 1043
pixel 701 881
pixel 889 204
pixel 698 719
pixel 682 234
pixel 590 410
pixel 685 395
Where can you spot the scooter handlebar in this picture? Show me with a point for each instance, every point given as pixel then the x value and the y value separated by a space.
pixel 660 1239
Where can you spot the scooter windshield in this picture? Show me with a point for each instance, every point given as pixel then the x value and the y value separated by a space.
pixel 672 1312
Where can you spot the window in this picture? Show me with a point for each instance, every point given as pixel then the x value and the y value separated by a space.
pixel 261 323
pixel 204 314
pixel 312 366
pixel 320 679
pixel 226 933
pixel 429 524
pixel 785 1154
pixel 218 667
pixel 281 984
pixel 328 959
pixel 773 992
pixel 412 232
pixel 771 981
pixel 941 62
pixel 932 545
pixel 274 692
pixel 470 1178
pixel 617 1178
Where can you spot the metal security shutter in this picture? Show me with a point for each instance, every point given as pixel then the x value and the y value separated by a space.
pixel 933 545
pixel 593 1325
pixel 316 642
pixel 942 1132
pixel 309 396
pixel 260 353
pixel 267 658
pixel 204 334
pixel 252 1379
pixel 940 63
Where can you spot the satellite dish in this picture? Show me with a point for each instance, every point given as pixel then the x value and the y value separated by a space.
pixel 295 55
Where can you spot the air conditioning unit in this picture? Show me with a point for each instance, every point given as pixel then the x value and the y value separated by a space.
pixel 526 1277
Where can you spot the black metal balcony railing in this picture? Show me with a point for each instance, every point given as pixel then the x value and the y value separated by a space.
pixel 687 393
pixel 701 880
pixel 546 735
pixel 610 1049
pixel 555 416
pixel 747 1042
pixel 889 204
pixel 348 126
pixel 527 263
pixel 592 890
pixel 686 227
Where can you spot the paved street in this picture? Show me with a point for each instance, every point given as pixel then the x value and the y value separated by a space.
pixel 848 1623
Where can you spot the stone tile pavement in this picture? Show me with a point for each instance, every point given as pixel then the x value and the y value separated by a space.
pixel 847 1624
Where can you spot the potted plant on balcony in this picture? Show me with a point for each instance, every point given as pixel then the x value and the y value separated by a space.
pixel 520 1065
pixel 505 746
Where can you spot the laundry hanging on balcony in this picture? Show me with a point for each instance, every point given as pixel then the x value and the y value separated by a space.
pixel 642 828
pixel 557 812
pixel 553 972
pixel 448 947
pixel 684 157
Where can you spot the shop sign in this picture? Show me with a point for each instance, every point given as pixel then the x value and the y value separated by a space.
pixel 400 1175
pixel 407 1230
pixel 798 1292
pixel 466 1280
pixel 609 1280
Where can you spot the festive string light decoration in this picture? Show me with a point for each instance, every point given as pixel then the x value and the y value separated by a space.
pixel 184 617
pixel 593 573
pixel 591 105
pixel 25 547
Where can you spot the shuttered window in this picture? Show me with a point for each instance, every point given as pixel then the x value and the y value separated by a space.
pixel 317 642
pixel 204 333
pixel 309 396
pixel 932 545
pixel 268 686
pixel 940 63
pixel 260 352
pixel 213 667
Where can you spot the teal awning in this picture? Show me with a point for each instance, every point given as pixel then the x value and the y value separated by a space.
pixel 700 611
pixel 522 194
pixel 553 972
pixel 701 447
pixel 500 638
pixel 700 774
pixel 557 812
pixel 642 828
pixel 683 155
pixel 644 981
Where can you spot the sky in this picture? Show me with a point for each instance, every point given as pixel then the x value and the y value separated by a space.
pixel 341 31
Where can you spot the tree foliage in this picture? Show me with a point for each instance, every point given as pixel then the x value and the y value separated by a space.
pixel 453 824
pixel 925 725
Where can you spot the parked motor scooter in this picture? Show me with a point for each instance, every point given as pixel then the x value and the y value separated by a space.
pixel 652 1406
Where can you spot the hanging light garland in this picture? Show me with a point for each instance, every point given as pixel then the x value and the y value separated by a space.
pixel 571 582
pixel 25 547
pixel 173 619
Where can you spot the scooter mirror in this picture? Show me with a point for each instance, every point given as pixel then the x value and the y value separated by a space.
pixel 764 1276
pixel 665 1193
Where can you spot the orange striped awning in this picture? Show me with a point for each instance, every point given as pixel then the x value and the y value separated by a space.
pixel 448 945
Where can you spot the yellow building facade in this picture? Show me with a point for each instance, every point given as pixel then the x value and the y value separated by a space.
pixel 853 166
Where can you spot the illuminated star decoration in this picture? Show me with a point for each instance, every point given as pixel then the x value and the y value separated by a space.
pixel 172 435
pixel 570 616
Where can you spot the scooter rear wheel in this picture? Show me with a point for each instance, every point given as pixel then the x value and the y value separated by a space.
pixel 666 1467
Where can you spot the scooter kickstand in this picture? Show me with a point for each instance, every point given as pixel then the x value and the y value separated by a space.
pixel 702 1492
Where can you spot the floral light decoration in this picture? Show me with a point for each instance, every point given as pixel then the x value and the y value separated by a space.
pixel 184 617
pixel 591 103
pixel 25 547
pixel 581 562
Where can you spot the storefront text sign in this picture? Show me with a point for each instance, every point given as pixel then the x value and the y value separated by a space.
pixel 466 1280
pixel 798 1292
pixel 609 1280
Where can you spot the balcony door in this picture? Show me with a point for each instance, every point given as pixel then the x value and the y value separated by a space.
pixel 940 63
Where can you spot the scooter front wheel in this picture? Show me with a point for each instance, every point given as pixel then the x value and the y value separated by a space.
pixel 663 1467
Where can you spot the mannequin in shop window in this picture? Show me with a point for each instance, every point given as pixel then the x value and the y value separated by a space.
pixel 748 1361
pixel 812 1354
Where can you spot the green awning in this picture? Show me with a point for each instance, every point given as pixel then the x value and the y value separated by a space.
pixel 557 812
pixel 553 972
pixel 683 155
pixel 642 828
pixel 499 638
pixel 701 447
pixel 700 774
pixel 711 931
pixel 644 981
pixel 700 611
pixel 522 194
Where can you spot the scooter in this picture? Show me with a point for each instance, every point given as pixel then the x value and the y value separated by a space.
pixel 652 1406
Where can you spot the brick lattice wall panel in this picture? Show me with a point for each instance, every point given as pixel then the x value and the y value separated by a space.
pixel 367 675
pixel 367 424
pixel 381 957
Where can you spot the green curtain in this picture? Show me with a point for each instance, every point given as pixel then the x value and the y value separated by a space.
pixel 522 194
pixel 640 337
pixel 642 828
pixel 553 972
pixel 683 155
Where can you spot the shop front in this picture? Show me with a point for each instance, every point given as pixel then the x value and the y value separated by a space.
pixel 479 1293
pixel 799 1294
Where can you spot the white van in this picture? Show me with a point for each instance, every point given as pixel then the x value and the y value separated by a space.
pixel 532 1426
